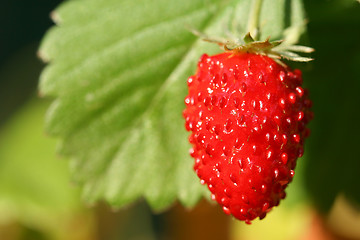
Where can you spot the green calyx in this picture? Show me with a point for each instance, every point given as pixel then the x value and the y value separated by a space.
pixel 274 49
pixel 278 49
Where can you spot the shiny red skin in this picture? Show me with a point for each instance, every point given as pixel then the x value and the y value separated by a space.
pixel 247 116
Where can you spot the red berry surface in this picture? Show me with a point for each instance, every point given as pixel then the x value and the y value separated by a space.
pixel 247 116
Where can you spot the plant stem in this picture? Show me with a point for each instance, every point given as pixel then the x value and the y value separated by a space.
pixel 253 23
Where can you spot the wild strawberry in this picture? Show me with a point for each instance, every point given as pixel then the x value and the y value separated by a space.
pixel 247 115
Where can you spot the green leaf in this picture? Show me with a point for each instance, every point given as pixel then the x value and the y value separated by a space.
pixel 118 71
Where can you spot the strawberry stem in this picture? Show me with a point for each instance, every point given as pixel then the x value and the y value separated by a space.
pixel 251 44
pixel 253 23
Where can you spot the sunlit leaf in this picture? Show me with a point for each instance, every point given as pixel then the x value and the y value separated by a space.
pixel 118 71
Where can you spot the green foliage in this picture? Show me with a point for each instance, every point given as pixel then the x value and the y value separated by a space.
pixel 333 165
pixel 118 73
pixel 34 184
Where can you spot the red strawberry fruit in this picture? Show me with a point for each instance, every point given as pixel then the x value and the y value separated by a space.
pixel 247 115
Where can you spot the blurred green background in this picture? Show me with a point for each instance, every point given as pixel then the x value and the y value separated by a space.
pixel 38 201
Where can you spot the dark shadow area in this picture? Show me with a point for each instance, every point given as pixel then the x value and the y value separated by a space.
pixel 334 82
pixel 22 25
